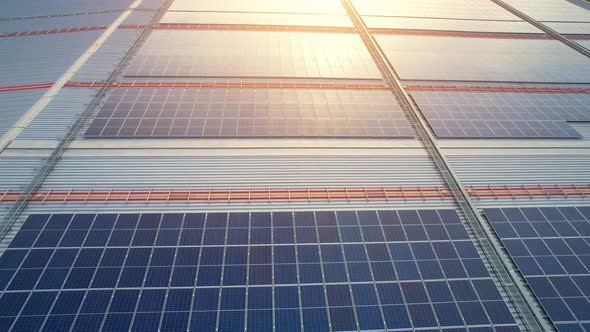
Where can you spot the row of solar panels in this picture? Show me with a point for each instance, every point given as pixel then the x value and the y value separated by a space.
pixel 135 112
pixel 316 285
pixel 380 282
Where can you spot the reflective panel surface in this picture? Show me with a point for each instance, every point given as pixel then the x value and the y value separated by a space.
pixel 178 53
pixel 388 22
pixel 480 114
pixel 249 112
pixel 551 10
pixel 484 59
pixel 272 6
pixel 323 20
pixel 462 9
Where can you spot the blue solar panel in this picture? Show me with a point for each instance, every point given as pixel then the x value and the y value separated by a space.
pixel 249 112
pixel 292 271
pixel 503 115
pixel 262 54
pixel 551 247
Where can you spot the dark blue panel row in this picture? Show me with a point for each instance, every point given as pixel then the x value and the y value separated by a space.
pixel 236 229
pixel 551 247
pixel 206 284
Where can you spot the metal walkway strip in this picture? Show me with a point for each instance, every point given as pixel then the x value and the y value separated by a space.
pixel 346 193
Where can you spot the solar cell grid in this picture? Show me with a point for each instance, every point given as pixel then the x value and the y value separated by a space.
pixel 551 247
pixel 429 8
pixel 348 283
pixel 248 112
pixel 261 19
pixel 516 115
pixel 166 53
pixel 275 6
pixel 547 10
pixel 483 59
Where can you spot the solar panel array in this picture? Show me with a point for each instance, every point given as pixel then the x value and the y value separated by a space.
pixel 481 114
pixel 454 9
pixel 483 59
pixel 180 53
pixel 279 19
pixel 249 112
pixel 551 247
pixel 332 7
pixel 316 271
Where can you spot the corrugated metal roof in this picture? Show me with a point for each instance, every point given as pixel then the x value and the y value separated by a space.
pixel 108 56
pixel 14 104
pixel 583 128
pixel 249 171
pixel 511 170
pixel 41 58
pixel 27 8
pixel 62 22
pixel 58 115
pixel 528 170
pixel 17 171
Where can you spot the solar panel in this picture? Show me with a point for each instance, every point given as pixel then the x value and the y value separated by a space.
pixel 271 6
pixel 483 59
pixel 445 24
pixel 551 247
pixel 520 115
pixel 278 19
pixel 167 53
pixel 547 10
pixel 248 112
pixel 344 270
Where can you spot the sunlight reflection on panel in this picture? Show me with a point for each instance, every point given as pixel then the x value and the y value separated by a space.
pixel 388 22
pixel 477 59
pixel 274 6
pixel 515 115
pixel 551 10
pixel 569 27
pixel 249 112
pixel 467 9
pixel 257 19
pixel 258 54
